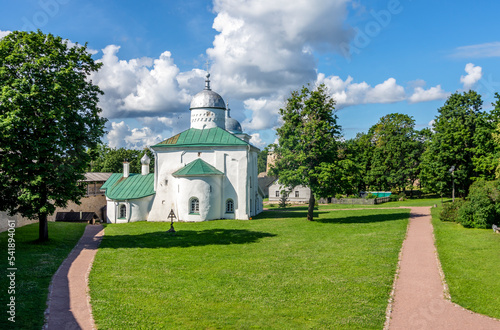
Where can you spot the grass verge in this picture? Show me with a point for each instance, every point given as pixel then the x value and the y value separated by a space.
pixel 276 271
pixel 36 263
pixel 471 265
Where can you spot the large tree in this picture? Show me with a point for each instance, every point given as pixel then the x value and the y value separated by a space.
pixel 397 151
pixel 462 138
pixel 48 118
pixel 307 149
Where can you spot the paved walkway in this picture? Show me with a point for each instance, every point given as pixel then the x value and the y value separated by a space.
pixel 419 297
pixel 68 302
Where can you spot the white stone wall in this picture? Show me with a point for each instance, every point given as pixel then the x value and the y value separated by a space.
pixel 303 192
pixel 137 209
pixel 232 161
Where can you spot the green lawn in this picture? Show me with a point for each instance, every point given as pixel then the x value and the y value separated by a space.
pixel 407 203
pixel 471 263
pixel 276 271
pixel 36 264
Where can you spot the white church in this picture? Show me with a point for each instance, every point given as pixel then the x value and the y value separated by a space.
pixel 204 173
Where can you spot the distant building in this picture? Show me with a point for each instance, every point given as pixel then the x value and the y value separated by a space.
pixel 298 194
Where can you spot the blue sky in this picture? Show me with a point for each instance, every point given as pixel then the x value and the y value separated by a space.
pixel 376 57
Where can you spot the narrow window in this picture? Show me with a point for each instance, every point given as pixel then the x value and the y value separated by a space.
pixel 277 193
pixel 229 206
pixel 123 211
pixel 194 205
pixel 296 194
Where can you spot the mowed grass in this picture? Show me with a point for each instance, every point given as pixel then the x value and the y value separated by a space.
pixel 416 202
pixel 471 264
pixel 276 271
pixel 36 263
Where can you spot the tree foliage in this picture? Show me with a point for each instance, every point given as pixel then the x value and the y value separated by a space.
pixel 462 138
pixel 48 118
pixel 307 149
pixel 106 159
pixel 396 154
pixel 262 160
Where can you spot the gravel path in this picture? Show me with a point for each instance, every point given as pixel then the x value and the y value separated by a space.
pixel 419 297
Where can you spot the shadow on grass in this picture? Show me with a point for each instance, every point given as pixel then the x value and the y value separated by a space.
pixel 287 213
pixel 183 238
pixel 366 218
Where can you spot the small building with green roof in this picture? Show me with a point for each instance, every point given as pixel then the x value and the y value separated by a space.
pixel 206 172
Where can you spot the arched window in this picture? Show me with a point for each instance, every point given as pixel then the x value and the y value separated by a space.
pixel 194 205
pixel 123 211
pixel 229 206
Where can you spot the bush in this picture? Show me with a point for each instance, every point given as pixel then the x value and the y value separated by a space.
pixel 450 210
pixel 371 196
pixel 339 196
pixel 483 205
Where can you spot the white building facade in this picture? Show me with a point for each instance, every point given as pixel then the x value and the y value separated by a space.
pixel 204 173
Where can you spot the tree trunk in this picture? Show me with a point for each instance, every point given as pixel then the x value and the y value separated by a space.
pixel 310 210
pixel 43 230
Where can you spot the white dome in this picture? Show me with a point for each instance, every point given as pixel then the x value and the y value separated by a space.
pixel 207 99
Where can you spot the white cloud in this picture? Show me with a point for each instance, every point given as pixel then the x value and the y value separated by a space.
pixel 264 46
pixel 265 112
pixel 121 135
pixel 257 141
pixel 490 49
pixel 474 74
pixel 139 87
pixel 4 33
pixel 423 95
pixel 347 93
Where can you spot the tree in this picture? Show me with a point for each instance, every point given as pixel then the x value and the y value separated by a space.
pixel 397 152
pixel 262 160
pixel 106 159
pixel 462 138
pixel 307 149
pixel 48 118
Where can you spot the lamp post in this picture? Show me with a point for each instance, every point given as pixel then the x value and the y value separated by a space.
pixel 452 170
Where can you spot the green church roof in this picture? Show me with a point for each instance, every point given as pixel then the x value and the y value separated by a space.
pixel 135 186
pixel 202 137
pixel 197 168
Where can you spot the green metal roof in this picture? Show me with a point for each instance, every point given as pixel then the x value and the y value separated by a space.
pixel 197 168
pixel 202 137
pixel 135 186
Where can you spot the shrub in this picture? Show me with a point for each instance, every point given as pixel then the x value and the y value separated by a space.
pixel 450 210
pixel 483 205
pixel 371 196
pixel 339 196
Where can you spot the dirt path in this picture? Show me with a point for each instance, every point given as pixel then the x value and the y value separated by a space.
pixel 419 297
pixel 68 301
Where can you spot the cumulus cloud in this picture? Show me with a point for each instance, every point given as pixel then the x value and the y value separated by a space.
pixel 4 33
pixel 474 74
pixel 139 87
pixel 265 112
pixel 423 95
pixel 257 141
pixel 263 46
pixel 347 93
pixel 121 135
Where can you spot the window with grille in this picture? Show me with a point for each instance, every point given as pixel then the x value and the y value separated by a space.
pixel 194 205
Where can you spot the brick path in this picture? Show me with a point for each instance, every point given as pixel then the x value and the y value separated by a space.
pixel 68 302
